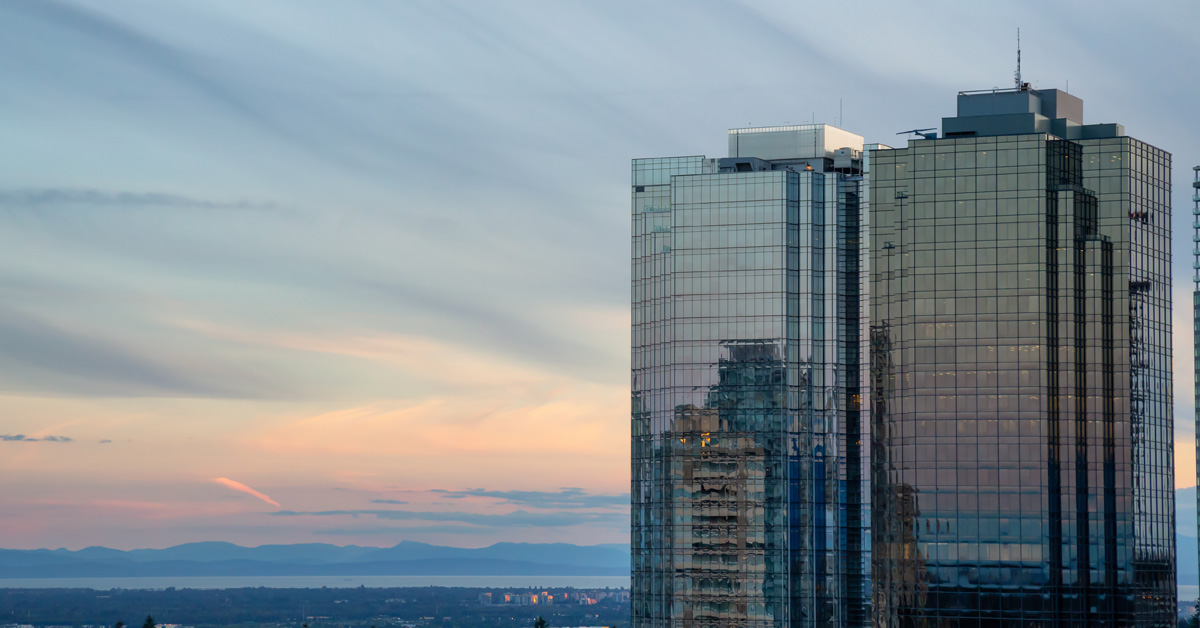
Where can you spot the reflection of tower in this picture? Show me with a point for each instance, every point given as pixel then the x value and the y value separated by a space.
pixel 728 457
pixel 898 571
pixel 902 551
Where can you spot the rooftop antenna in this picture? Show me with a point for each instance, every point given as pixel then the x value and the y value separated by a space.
pixel 922 132
pixel 1017 76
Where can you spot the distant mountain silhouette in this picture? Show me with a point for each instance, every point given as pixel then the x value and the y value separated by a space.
pixel 406 558
pixel 318 559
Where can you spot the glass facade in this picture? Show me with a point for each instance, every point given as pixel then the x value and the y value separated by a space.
pixel 1021 392
pixel 1196 318
pixel 749 462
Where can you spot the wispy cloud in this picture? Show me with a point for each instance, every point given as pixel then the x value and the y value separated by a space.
pixel 399 530
pixel 387 501
pixel 38 354
pixel 487 430
pixel 515 519
pixel 40 198
pixel 238 486
pixel 569 497
pixel 21 438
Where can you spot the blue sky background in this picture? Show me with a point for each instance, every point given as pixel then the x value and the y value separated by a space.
pixel 370 259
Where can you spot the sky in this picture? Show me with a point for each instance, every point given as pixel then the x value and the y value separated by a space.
pixel 358 272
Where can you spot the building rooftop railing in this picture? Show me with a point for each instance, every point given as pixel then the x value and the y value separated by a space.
pixel 997 90
pixel 776 129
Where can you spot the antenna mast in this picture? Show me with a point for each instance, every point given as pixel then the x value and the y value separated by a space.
pixel 1017 76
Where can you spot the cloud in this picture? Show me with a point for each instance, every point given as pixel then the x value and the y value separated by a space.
pixel 238 486
pixel 39 198
pixel 105 441
pixel 515 519
pixel 399 530
pixel 21 438
pixel 506 331
pixel 39 355
pixel 387 501
pixel 569 497
pixel 156 64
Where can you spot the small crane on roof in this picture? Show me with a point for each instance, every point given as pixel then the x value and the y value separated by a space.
pixel 922 133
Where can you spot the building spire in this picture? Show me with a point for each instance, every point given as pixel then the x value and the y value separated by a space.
pixel 1017 76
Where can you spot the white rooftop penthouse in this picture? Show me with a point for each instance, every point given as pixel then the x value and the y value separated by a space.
pixel 802 141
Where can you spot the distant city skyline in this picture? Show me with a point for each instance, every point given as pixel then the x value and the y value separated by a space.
pixel 369 261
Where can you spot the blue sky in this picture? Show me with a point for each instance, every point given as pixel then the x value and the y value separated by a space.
pixel 370 259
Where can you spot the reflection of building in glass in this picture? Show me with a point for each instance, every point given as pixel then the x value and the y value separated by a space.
pixel 895 513
pixel 750 500
pixel 1022 417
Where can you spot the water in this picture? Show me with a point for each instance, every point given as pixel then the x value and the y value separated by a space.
pixel 316 582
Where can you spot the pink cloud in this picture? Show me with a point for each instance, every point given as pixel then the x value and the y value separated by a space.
pixel 575 436
pixel 238 486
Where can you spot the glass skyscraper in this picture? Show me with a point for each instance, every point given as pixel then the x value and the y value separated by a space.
pixel 1196 324
pixel 750 465
pixel 1021 394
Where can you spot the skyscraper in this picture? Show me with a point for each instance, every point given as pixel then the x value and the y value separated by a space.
pixel 749 490
pixel 1196 324
pixel 1021 371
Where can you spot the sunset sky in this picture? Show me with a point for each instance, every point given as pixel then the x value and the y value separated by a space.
pixel 357 272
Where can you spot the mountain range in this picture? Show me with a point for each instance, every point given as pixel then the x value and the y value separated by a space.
pixel 406 558
pixel 319 559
